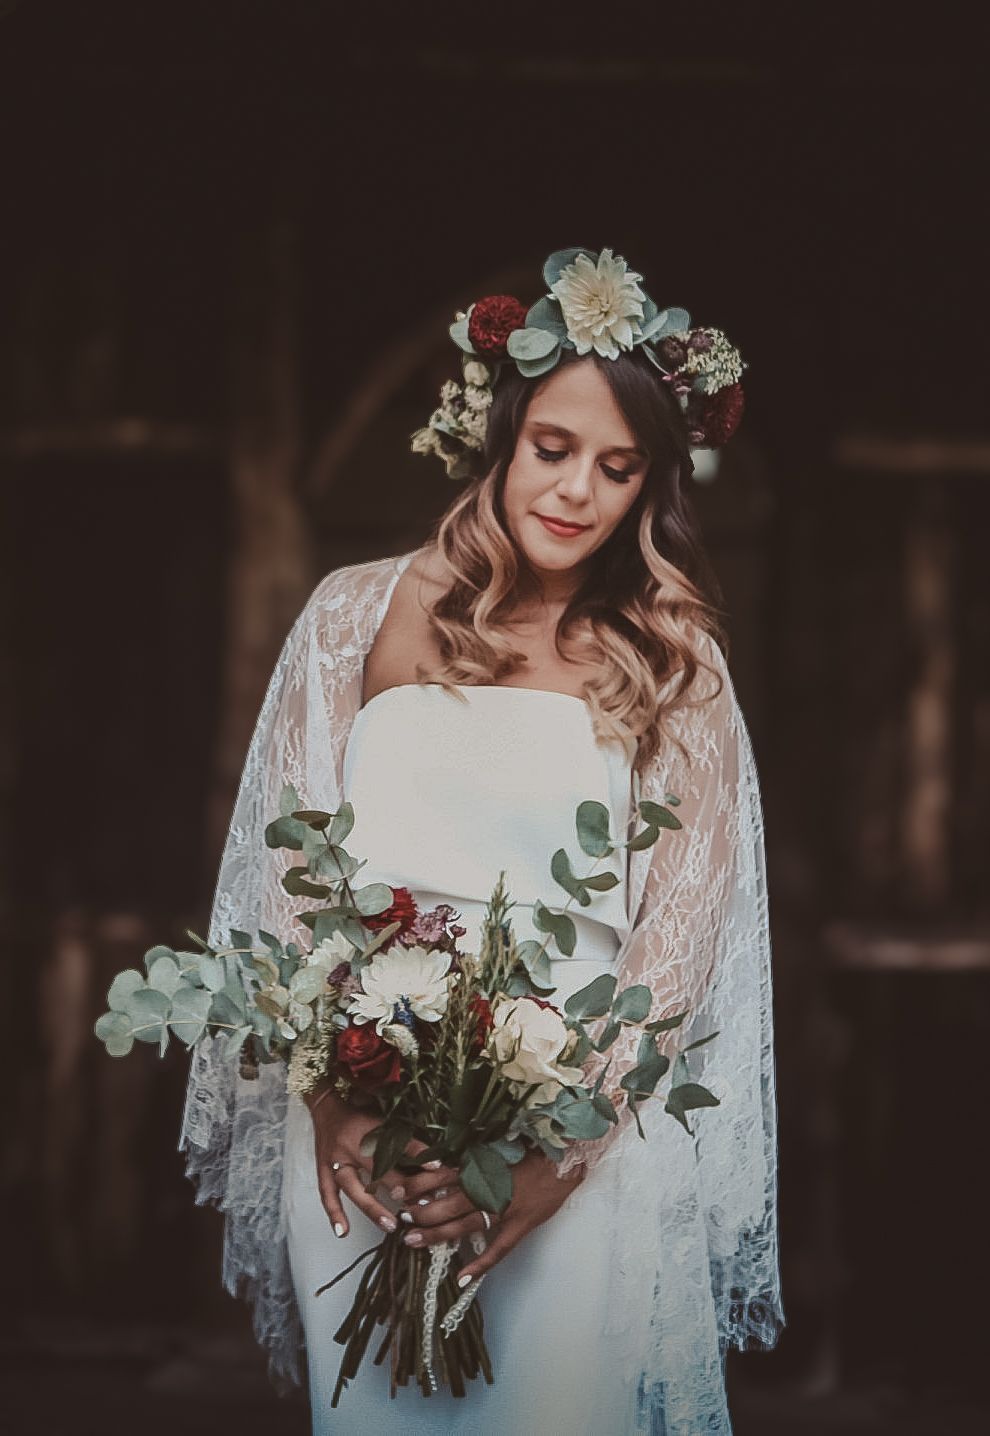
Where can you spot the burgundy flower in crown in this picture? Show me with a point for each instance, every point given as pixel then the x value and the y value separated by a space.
pixel 492 320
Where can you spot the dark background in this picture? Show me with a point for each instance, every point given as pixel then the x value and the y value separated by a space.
pixel 234 236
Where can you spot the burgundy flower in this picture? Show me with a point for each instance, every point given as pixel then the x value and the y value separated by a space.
pixel 367 1059
pixel 720 413
pixel 699 341
pixel 403 910
pixel 493 320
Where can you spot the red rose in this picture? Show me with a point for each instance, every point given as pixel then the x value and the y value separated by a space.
pixel 493 320
pixel 403 909
pixel 482 1010
pixel 367 1059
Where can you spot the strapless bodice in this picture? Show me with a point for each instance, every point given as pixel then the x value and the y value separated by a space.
pixel 448 791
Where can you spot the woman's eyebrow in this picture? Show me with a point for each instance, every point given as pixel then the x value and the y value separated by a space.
pixel 567 434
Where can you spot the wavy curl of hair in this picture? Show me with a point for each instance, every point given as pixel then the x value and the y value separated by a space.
pixel 649 596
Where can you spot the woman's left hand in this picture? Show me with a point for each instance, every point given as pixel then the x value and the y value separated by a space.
pixel 537 1192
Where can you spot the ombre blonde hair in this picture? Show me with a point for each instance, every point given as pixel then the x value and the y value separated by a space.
pixel 649 604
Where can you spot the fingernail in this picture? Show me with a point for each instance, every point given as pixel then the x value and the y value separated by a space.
pixel 398 1193
pixel 440 1192
pixel 433 1166
pixel 406 1217
pixel 339 1229
pixel 389 1223
pixel 413 1239
pixel 463 1280
pixel 423 1202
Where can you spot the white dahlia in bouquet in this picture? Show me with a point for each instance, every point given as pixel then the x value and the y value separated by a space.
pixel 463 1055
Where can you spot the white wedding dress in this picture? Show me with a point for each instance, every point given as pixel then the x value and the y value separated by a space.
pixel 446 794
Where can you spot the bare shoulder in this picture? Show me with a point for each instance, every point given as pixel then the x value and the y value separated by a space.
pixel 405 639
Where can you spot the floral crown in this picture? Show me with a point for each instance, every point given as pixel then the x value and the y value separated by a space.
pixel 595 303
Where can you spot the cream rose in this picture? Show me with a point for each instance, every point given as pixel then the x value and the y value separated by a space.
pixel 527 1042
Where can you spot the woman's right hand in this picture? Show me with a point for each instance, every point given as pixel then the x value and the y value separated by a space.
pixel 339 1129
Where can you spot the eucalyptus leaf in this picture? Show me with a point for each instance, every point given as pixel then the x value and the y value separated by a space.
pixel 607 1036
pixel 308 983
pixel 593 828
pixel 373 899
pixel 148 1010
pixel 236 1040
pixel 164 975
pixel 530 343
pixel 265 966
pixel 536 961
pixel 658 816
pixel 271 942
pixel 685 1097
pixel 123 985
pixel 343 823
pixel 600 882
pixel 547 314
pixel 559 924
pixel 285 832
pixel 154 953
pixel 312 817
pixel 533 368
pixel 561 871
pixel 633 1005
pixel 592 1000
pixel 581 1120
pixel 486 1178
pixel 645 838
pixel 560 259
pixel 240 940
pixel 189 1013
pixel 393 1139
pixel 115 1030
pixel 296 882
pixel 666 1024
pixel 700 1042
pixel 212 974
pixel 511 1151
pixel 459 334
pixel 675 322
pixel 227 1011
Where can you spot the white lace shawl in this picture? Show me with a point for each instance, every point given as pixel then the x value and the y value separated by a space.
pixel 702 1207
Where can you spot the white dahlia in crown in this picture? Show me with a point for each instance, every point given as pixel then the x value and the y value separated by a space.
pixel 602 303
pixel 400 983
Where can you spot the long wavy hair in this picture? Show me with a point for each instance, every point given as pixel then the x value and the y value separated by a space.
pixel 648 597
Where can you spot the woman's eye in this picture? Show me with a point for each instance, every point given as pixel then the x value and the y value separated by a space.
pixel 550 456
pixel 621 476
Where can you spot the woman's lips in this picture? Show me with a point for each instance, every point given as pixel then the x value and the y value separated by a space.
pixel 562 530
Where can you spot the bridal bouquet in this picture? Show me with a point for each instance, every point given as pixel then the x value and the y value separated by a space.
pixel 461 1051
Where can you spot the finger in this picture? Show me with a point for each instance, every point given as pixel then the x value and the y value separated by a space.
pixel 446 1232
pixel 424 1184
pixel 351 1185
pixel 330 1198
pixel 441 1209
pixel 504 1236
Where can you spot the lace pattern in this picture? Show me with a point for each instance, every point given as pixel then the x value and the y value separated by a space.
pixel 693 1218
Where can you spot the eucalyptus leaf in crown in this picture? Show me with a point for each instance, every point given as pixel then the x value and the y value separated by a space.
pixel 594 304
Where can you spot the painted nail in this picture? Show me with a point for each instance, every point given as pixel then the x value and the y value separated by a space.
pixel 440 1192
pixel 398 1193
pixel 389 1223
pixel 406 1217
pixel 413 1239
pixel 433 1166
pixel 463 1280
pixel 339 1229
pixel 423 1202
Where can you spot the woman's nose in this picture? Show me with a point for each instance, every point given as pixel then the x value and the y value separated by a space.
pixel 576 481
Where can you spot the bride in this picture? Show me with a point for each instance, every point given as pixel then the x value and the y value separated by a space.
pixel 553 641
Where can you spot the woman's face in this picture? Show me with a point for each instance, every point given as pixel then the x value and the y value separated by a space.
pixel 576 460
